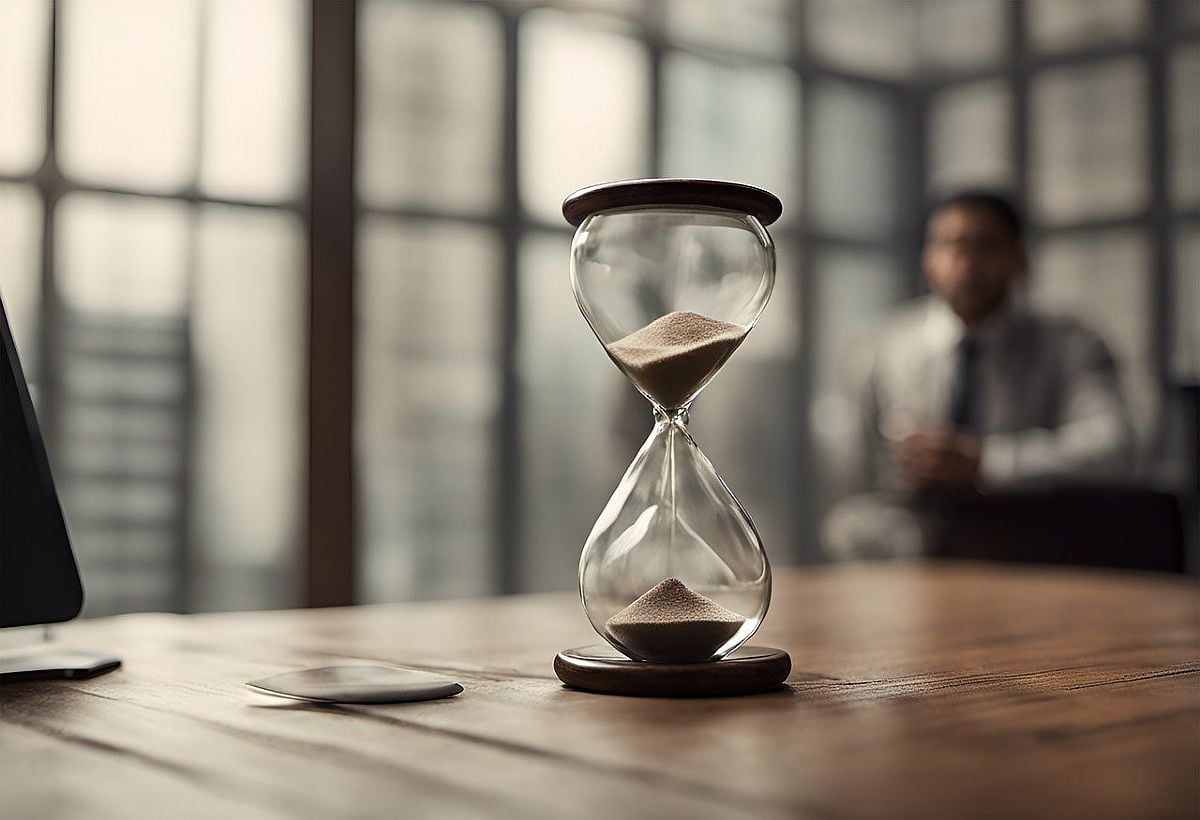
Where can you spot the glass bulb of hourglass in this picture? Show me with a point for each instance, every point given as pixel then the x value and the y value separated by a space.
pixel 674 569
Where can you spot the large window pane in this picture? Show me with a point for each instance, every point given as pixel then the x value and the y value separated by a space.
pixel 736 123
pixel 584 109
pixel 431 87
pixel 119 452
pixel 128 92
pixel 248 348
pixel 1089 140
pixel 962 35
pixel 122 255
pixel 24 36
pixel 969 135
pixel 868 36
pixel 580 421
pixel 762 27
pixel 20 269
pixel 428 393
pixel 255 84
pixel 1185 348
pixel 1056 25
pixel 1184 97
pixel 852 161
pixel 855 290
pixel 1104 279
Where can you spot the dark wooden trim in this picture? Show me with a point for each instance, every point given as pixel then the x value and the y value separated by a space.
pixel 704 193
pixel 330 513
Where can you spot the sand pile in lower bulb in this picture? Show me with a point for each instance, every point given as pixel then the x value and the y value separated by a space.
pixel 673 355
pixel 672 624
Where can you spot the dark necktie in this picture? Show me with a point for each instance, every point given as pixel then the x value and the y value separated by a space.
pixel 964 389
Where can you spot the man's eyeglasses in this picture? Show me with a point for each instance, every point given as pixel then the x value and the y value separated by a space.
pixel 978 245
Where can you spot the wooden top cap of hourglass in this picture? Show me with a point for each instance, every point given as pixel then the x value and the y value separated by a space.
pixel 704 193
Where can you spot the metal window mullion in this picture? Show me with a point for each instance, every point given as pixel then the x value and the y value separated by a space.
pixel 51 180
pixel 507 492
pixel 48 182
pixel 913 183
pixel 805 530
pixel 185 559
pixel 1020 77
pixel 1162 250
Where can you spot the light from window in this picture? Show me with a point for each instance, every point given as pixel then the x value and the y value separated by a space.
pixel 431 91
pixel 584 110
pixel 128 104
pixel 255 85
pixel 1089 131
pixel 24 35
pixel 736 123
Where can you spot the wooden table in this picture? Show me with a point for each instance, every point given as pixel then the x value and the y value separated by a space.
pixel 917 691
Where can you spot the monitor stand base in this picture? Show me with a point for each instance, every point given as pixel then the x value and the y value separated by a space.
pixel 51 662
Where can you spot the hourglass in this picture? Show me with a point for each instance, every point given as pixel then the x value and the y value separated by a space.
pixel 671 275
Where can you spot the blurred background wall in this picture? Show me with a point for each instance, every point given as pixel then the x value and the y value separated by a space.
pixel 156 226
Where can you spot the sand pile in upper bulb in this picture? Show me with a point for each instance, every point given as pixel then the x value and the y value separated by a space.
pixel 672 624
pixel 671 357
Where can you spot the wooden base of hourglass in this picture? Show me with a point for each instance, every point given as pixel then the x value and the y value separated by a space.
pixel 748 670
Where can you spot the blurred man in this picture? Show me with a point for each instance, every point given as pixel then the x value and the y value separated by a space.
pixel 968 390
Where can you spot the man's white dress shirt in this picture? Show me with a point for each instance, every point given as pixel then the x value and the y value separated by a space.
pixel 1049 407
pixel 1049 410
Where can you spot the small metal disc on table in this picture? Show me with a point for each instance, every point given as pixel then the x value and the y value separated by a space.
pixel 600 668
pixel 358 683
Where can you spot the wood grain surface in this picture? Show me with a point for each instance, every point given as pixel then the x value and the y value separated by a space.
pixel 916 691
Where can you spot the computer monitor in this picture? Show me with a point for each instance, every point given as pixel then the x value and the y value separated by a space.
pixel 39 581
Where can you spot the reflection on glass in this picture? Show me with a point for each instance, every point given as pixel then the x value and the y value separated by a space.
pixel 1089 137
pixel 1184 96
pixel 1056 25
pixel 255 84
pixel 969 133
pixel 1104 280
pixel 119 451
pixel 430 82
pixel 736 123
pixel 963 35
pixel 248 351
pixel 855 290
pixel 20 269
pixel 746 420
pixel 853 172
pixel 1185 296
pixel 758 26
pixel 576 419
pixel 24 37
pixel 867 36
pixel 128 92
pixel 584 109
pixel 428 393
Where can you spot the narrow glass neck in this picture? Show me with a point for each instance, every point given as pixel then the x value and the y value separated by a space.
pixel 677 417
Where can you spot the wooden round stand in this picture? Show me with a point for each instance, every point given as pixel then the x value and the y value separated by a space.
pixel 747 671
